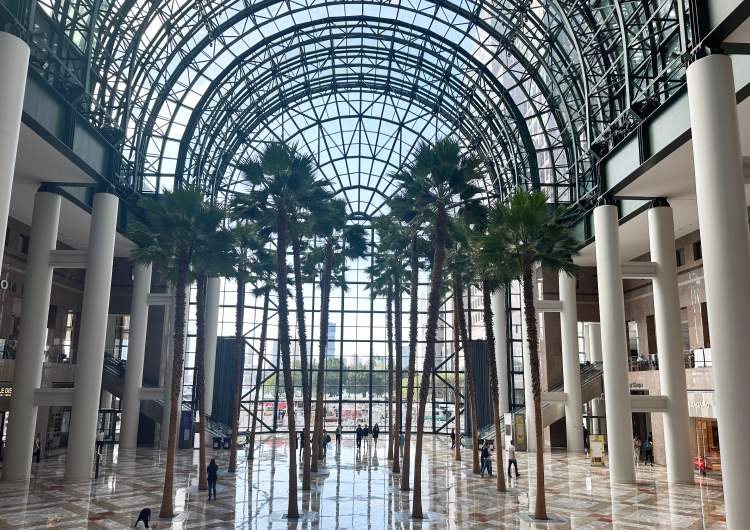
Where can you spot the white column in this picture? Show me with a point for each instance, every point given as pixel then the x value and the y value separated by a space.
pixel 722 217
pixel 612 319
pixel 94 313
pixel 594 334
pixel 131 402
pixel 500 326
pixel 571 364
pixel 669 345
pixel 32 337
pixel 14 63
pixel 213 288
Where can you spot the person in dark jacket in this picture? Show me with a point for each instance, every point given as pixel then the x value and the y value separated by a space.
pixel 301 442
pixel 143 517
pixel 212 475
pixel 360 432
pixel 453 439
pixel 486 460
pixel 375 434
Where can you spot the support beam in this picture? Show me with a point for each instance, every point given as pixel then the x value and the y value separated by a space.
pixel 213 291
pixel 649 404
pixel 722 218
pixel 150 393
pixel 548 306
pixel 639 270
pixel 571 363
pixel 131 401
pixel 94 312
pixel 161 299
pixel 68 259
pixel 14 63
pixel 669 345
pixel 29 362
pixel 53 397
pixel 612 316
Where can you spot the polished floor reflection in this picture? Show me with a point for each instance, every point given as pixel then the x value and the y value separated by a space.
pixel 357 491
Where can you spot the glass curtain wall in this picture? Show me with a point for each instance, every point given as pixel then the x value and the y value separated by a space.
pixel 356 382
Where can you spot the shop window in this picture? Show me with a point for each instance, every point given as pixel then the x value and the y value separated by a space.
pixel 697 251
pixel 680 257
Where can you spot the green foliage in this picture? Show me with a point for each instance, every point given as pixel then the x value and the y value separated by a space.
pixel 524 233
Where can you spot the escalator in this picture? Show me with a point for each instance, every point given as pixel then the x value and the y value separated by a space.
pixel 591 387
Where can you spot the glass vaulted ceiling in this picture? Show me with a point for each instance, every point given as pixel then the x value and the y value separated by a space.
pixel 531 85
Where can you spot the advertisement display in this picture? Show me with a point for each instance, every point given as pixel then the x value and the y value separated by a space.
pixel 596 452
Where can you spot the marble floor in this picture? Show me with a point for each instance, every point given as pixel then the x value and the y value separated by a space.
pixel 354 491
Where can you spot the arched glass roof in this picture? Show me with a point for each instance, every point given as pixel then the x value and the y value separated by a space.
pixel 531 85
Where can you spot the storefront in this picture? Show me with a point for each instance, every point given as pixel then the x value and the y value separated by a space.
pixel 704 429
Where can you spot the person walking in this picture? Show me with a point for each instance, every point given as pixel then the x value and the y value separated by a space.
pixel 144 516
pixel 338 435
pixel 375 434
pixel 486 460
pixel 636 449
pixel 453 438
pixel 212 471
pixel 368 436
pixel 360 433
pixel 648 451
pixel 401 442
pixel 326 441
pixel 585 440
pixel 37 454
pixel 301 442
pixel 512 458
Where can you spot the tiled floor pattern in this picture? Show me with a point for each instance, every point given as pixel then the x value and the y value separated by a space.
pixel 354 491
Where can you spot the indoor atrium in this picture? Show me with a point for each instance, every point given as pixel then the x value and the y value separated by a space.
pixel 337 264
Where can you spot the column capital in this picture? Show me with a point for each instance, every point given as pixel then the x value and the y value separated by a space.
pixel 659 202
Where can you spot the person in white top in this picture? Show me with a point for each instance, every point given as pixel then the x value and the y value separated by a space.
pixel 512 458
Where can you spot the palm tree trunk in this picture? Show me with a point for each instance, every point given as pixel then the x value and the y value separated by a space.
pixel 285 348
pixel 494 386
pixel 413 312
pixel 389 333
pixel 397 378
pixel 458 298
pixel 258 375
pixel 325 302
pixel 239 368
pixel 200 370
pixel 456 381
pixel 433 312
pixel 302 341
pixel 167 498
pixel 540 507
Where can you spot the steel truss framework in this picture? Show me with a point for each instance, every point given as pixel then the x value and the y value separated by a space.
pixel 192 86
pixel 187 88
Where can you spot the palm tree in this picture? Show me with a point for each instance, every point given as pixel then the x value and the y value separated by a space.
pixel 342 243
pixel 411 219
pixel 279 197
pixel 525 233
pixel 170 236
pixel 387 272
pixel 212 258
pixel 442 180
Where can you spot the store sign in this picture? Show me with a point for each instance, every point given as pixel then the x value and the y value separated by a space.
pixel 596 449
pixel 701 404
pixel 6 390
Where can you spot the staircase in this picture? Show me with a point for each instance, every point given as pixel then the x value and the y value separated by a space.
pixel 113 381
pixel 591 388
